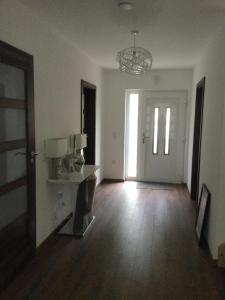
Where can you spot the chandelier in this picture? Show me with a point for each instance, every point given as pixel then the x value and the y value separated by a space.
pixel 134 60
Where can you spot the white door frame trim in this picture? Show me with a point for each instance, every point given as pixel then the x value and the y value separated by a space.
pixel 155 93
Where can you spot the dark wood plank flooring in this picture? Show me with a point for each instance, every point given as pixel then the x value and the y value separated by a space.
pixel 142 246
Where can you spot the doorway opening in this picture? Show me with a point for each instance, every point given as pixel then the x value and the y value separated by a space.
pixel 155 135
pixel 199 104
pixel 88 119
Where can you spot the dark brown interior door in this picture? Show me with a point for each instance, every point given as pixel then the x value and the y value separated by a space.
pixel 200 90
pixel 17 161
pixel 88 110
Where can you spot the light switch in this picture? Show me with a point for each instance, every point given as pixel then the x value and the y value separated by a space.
pixel 114 135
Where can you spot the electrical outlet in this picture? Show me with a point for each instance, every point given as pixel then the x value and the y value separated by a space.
pixel 55 218
pixel 62 203
pixel 114 135
pixel 59 195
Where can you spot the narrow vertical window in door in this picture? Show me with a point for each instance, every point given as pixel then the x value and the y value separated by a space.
pixel 155 133
pixel 132 135
pixel 167 131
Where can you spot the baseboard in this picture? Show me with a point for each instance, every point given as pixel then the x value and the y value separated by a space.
pixel 54 232
pixel 62 223
pixel 98 184
pixel 112 180
pixel 185 185
pixel 205 243
pixel 214 260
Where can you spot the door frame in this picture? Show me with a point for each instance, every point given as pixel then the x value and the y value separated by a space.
pixel 126 133
pixel 198 123
pixel 183 95
pixel 20 59
pixel 92 117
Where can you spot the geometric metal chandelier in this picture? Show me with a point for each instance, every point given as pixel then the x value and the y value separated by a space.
pixel 134 60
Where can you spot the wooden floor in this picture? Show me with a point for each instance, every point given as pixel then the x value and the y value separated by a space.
pixel 142 246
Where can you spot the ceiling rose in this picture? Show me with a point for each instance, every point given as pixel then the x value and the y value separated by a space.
pixel 125 5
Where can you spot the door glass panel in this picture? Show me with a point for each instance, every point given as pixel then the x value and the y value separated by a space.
pixel 12 124
pixel 132 135
pixel 147 121
pixel 12 206
pixel 12 165
pixel 12 82
pixel 155 133
pixel 167 131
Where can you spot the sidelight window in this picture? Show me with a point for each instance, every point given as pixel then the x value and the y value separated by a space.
pixel 132 135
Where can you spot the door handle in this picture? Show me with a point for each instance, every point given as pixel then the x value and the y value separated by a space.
pixel 20 153
pixel 33 154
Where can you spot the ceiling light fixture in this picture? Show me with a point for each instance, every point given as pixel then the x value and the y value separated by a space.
pixel 125 5
pixel 134 60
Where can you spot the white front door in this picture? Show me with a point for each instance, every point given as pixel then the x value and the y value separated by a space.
pixel 161 136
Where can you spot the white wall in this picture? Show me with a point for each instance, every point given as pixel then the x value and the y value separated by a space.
pixel 115 84
pixel 212 66
pixel 58 69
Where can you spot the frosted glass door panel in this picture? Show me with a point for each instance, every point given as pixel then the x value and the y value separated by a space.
pixel 12 165
pixel 12 123
pixel 12 206
pixel 12 82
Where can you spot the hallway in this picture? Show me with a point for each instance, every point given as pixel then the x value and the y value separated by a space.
pixel 142 246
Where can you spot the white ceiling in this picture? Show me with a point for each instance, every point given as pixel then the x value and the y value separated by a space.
pixel 175 31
